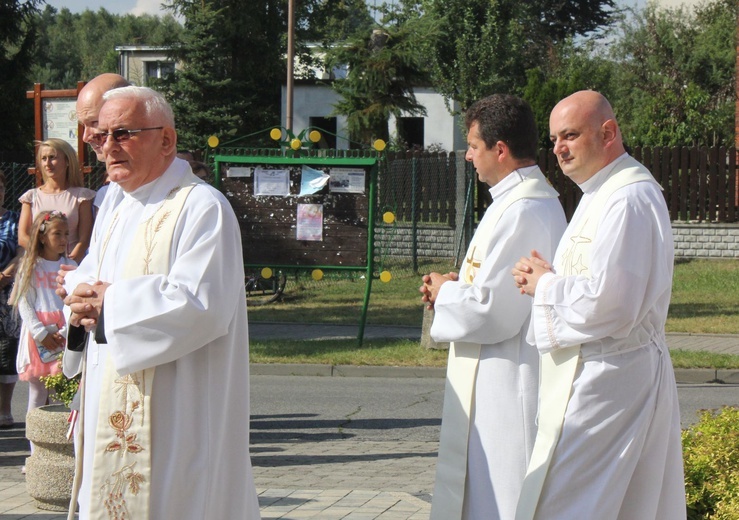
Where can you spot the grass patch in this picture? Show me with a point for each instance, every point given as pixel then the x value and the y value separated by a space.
pixel 338 297
pixel 699 359
pixel 379 352
pixel 408 353
pixel 705 297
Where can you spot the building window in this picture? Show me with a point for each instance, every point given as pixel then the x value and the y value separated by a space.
pixel 159 69
pixel 327 127
pixel 410 131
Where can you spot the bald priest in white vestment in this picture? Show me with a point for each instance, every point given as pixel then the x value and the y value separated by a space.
pixel 608 442
pixel 488 428
pixel 165 402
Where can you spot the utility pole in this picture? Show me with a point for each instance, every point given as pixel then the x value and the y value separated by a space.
pixel 290 64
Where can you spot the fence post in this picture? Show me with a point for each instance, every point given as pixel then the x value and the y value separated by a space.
pixel 460 205
pixel 414 211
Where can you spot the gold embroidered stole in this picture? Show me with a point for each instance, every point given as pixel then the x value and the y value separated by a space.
pixel 451 472
pixel 121 473
pixel 558 367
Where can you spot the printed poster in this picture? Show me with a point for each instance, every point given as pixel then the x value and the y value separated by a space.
pixel 346 180
pixel 310 222
pixel 274 183
pixel 60 120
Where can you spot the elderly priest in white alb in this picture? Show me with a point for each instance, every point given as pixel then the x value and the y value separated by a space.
pixel 487 429
pixel 164 430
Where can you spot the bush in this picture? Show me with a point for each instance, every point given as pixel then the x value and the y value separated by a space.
pixel 711 455
pixel 62 388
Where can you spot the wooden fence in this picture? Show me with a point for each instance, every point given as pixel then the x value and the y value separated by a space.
pixel 700 184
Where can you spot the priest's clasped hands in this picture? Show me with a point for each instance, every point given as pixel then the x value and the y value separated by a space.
pixel 432 282
pixel 86 304
pixel 526 274
pixel 527 271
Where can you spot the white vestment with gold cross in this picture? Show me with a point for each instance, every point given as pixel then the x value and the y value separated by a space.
pixel 190 327
pixel 490 398
pixel 611 448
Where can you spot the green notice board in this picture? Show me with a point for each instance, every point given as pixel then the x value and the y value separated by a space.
pixel 283 226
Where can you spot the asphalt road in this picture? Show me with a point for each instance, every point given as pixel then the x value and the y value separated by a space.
pixel 290 408
pixel 368 408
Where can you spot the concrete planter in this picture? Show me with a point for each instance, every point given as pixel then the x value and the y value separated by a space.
pixel 426 341
pixel 50 470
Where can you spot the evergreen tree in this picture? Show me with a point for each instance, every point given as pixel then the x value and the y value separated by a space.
pixel 233 66
pixel 17 39
pixel 383 67
pixel 201 92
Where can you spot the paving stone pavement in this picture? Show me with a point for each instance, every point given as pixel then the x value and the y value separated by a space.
pixel 328 480
pixel 352 480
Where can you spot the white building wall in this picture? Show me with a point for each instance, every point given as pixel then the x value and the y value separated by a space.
pixel 134 59
pixel 316 100
pixel 439 126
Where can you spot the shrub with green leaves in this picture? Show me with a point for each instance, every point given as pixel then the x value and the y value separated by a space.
pixel 711 455
pixel 62 388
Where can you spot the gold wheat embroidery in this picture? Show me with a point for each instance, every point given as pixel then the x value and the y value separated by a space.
pixel 152 227
pixel 113 492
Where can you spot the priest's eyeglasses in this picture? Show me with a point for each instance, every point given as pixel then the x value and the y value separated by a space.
pixel 120 135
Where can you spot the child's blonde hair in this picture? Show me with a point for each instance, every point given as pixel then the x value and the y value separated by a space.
pixel 41 224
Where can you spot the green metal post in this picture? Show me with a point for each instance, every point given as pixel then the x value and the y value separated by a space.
pixel 370 250
pixel 414 211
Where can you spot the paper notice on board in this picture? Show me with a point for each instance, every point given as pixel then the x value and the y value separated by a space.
pixel 238 171
pixel 271 182
pixel 346 180
pixel 310 222
pixel 311 180
pixel 59 120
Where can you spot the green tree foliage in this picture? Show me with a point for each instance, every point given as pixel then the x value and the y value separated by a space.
pixel 203 93
pixel 17 39
pixel 677 80
pixel 326 23
pixel 571 68
pixel 383 66
pixel 331 21
pixel 76 47
pixel 235 57
pixel 481 47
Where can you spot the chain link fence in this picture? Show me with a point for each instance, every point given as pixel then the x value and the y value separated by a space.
pixel 19 180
